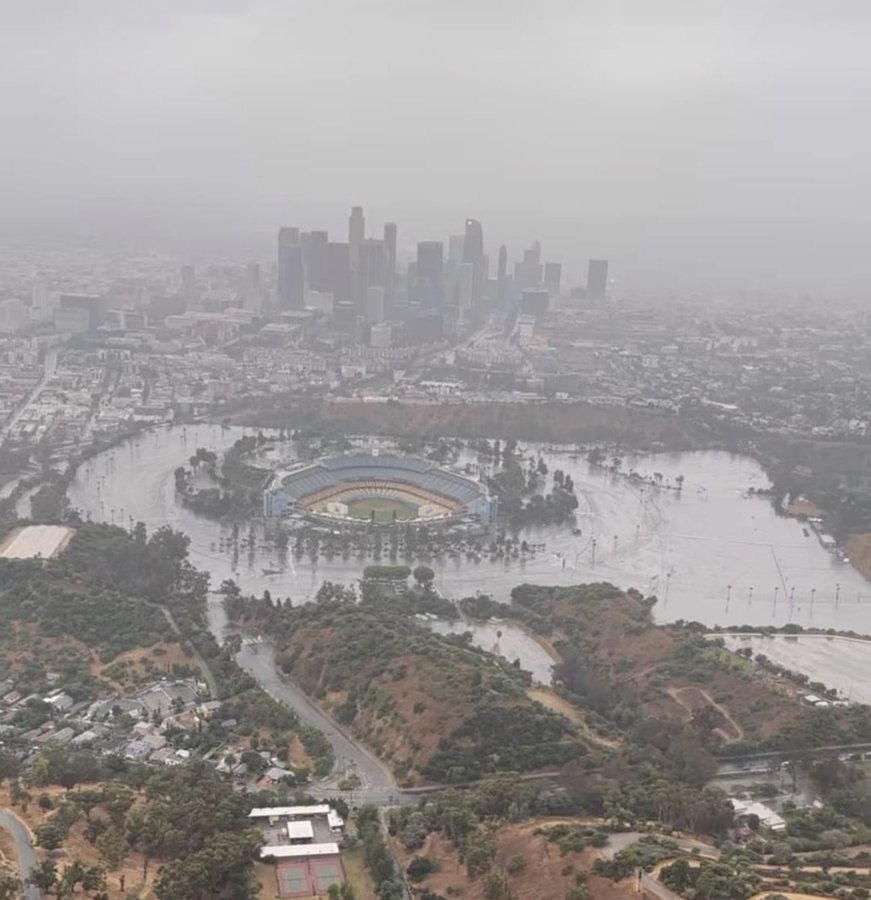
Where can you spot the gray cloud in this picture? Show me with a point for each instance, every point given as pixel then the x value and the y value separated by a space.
pixel 695 143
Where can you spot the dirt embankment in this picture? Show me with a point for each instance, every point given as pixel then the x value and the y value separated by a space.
pixel 534 867
pixel 555 422
pixel 858 549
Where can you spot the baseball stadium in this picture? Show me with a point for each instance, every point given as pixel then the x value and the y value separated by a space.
pixel 378 489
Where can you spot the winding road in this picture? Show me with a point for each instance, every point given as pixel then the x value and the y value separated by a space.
pixel 376 783
pixel 23 850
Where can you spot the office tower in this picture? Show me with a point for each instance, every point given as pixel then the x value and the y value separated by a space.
pixel 339 272
pixel 188 282
pixel 252 275
pixel 597 279
pixel 389 261
pixel 464 293
pixel 502 274
pixel 455 248
pixel 314 252
pixel 428 274
pixel 356 235
pixel 530 273
pixel 375 311
pixel 553 276
pixel 289 260
pixel 291 278
pixel 473 252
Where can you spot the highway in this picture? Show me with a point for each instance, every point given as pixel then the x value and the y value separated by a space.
pixel 23 850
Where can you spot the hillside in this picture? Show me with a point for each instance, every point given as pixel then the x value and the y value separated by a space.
pixel 636 677
pixel 557 422
pixel 94 613
pixel 434 707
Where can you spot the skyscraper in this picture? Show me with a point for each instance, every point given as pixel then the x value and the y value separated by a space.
pixel 314 251
pixel 473 252
pixel 456 242
pixel 428 272
pixel 597 279
pixel 464 294
pixel 370 271
pixel 291 277
pixel 288 237
pixel 502 273
pixel 339 271
pixel 356 235
pixel 553 273
pixel 389 261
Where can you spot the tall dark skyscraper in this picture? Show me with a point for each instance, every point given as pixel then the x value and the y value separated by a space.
pixel 291 277
pixel 502 273
pixel 314 254
pixel 428 272
pixel 553 274
pixel 370 272
pixel 473 252
pixel 356 235
pixel 389 260
pixel 597 279
pixel 288 260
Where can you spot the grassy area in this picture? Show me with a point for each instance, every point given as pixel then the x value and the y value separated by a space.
pixel 356 874
pixel 733 660
pixel 383 507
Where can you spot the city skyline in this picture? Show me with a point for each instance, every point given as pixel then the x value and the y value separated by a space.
pixel 708 149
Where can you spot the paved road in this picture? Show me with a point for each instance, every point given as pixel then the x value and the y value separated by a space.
pixel 23 849
pixel 377 784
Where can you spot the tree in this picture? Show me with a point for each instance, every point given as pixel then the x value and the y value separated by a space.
pixel 424 576
pixel 420 867
pixel 112 846
pixel 496 887
pixel 10 887
pixel 44 875
pixel 49 836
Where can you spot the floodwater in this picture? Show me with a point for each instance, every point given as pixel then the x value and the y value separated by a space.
pixel 841 663
pixel 709 552
pixel 504 639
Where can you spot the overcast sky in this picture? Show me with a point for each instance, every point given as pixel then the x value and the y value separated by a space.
pixel 692 142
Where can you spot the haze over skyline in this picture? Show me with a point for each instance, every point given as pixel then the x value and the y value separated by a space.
pixel 693 144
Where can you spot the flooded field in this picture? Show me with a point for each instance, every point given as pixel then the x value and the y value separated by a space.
pixel 504 639
pixel 841 663
pixel 709 552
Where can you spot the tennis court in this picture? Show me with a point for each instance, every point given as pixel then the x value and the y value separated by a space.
pixel 309 878
pixel 326 872
pixel 295 880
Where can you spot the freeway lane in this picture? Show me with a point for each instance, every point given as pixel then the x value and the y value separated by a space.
pixel 23 849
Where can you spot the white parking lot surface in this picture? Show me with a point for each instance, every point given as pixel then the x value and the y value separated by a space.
pixel 838 662
pixel 42 541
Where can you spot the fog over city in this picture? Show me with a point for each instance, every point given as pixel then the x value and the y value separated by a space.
pixel 435 450
pixel 703 145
